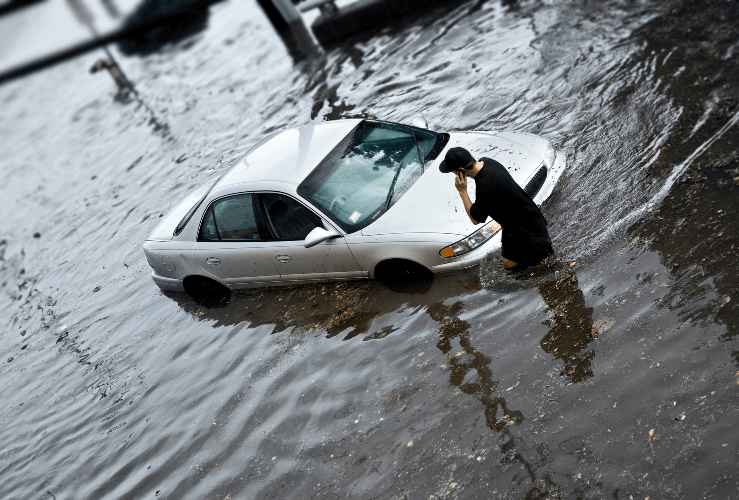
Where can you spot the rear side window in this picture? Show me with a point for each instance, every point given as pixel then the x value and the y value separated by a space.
pixel 230 219
pixel 208 229
pixel 189 215
pixel 287 218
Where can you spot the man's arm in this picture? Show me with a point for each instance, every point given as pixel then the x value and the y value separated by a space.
pixel 461 184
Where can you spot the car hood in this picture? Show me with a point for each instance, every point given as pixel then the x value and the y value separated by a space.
pixel 433 205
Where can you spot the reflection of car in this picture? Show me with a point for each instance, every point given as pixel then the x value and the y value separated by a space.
pixel 339 200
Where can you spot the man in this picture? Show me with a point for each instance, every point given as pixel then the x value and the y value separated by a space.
pixel 525 237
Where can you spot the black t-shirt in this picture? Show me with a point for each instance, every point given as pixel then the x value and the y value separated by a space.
pixel 525 236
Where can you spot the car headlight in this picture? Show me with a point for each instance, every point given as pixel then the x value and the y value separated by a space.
pixel 549 155
pixel 472 241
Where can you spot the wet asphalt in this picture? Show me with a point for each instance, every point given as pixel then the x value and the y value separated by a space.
pixel 610 371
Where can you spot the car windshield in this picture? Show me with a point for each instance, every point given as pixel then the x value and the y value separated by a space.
pixel 369 170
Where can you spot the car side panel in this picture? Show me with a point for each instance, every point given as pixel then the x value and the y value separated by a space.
pixel 328 260
pixel 171 284
pixel 171 262
pixel 420 248
pixel 236 263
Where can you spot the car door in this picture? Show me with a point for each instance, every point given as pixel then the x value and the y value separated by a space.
pixel 231 243
pixel 289 222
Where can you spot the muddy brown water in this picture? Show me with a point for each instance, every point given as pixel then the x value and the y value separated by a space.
pixel 610 372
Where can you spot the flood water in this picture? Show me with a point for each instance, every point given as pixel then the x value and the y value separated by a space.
pixel 610 372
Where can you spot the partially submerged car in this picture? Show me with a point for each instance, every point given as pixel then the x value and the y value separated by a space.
pixel 347 199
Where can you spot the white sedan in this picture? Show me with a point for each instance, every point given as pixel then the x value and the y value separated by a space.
pixel 347 199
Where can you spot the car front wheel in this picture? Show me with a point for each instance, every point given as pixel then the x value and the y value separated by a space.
pixel 399 271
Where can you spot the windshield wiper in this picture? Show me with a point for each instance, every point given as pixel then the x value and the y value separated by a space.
pixel 392 187
pixel 420 155
pixel 397 174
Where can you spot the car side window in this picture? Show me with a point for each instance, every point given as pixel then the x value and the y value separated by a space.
pixel 287 218
pixel 208 228
pixel 230 219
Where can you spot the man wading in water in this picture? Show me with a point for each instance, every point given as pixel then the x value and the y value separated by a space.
pixel 525 237
pixel 526 242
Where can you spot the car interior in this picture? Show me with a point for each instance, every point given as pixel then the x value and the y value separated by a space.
pixel 288 219
pixel 235 220
pixel 379 160
pixel 230 218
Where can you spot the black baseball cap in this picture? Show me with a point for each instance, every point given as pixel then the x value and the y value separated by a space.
pixel 455 159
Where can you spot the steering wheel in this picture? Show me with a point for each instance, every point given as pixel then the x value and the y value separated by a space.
pixel 337 203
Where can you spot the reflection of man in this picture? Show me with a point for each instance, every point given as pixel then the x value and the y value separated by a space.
pixel 571 325
pixel 525 237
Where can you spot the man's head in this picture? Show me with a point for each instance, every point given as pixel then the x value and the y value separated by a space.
pixel 457 159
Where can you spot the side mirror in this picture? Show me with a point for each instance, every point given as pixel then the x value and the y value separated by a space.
pixel 318 235
pixel 420 122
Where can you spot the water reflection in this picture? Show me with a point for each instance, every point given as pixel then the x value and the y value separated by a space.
pixel 571 321
pixel 347 310
pixel 343 309
pixel 570 325
pixel 469 369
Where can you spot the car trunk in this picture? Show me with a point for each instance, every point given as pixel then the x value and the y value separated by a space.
pixel 165 230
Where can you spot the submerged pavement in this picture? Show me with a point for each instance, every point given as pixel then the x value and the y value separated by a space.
pixel 610 372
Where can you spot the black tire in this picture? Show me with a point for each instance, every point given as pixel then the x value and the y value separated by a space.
pixel 207 292
pixel 397 274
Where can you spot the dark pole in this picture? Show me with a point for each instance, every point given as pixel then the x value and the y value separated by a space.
pixel 84 16
pixel 289 24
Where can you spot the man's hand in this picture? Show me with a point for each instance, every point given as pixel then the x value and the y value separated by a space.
pixel 460 182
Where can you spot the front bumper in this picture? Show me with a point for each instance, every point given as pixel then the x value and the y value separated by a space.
pixel 560 163
pixel 470 259
pixel 172 284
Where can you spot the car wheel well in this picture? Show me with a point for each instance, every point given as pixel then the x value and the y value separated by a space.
pixel 206 291
pixel 401 270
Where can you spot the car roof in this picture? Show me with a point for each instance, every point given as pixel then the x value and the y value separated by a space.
pixel 290 155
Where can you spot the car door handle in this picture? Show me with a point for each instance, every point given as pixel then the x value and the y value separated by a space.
pixel 284 258
pixel 214 261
